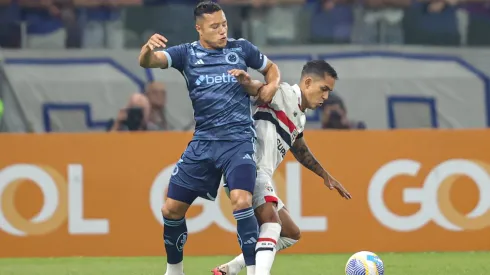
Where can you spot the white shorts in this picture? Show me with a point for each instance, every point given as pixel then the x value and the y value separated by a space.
pixel 263 192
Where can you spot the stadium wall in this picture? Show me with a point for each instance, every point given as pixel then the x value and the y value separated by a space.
pixel 387 87
pixel 97 194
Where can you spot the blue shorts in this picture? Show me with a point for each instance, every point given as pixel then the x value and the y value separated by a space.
pixel 203 164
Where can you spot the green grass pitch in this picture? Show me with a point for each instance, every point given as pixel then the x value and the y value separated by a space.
pixel 474 263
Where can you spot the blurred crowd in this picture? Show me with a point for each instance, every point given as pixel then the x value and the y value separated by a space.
pixel 55 24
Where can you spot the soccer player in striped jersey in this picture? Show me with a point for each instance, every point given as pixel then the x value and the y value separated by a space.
pixel 279 127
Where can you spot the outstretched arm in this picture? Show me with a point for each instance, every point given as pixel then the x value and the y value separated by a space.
pixel 304 156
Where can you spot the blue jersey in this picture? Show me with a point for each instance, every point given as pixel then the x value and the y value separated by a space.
pixel 221 105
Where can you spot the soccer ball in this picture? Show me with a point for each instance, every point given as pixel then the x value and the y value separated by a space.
pixel 364 263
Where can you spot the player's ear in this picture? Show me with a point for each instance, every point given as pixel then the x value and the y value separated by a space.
pixel 308 81
pixel 198 29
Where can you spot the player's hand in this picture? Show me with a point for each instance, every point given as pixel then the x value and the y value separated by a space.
pixel 332 183
pixel 156 41
pixel 242 76
pixel 267 93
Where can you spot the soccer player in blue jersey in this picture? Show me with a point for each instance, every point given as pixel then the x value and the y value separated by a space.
pixel 223 141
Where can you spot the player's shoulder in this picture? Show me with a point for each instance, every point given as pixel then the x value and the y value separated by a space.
pixel 232 42
pixel 181 47
pixel 188 48
pixel 283 92
pixel 286 87
pixel 287 92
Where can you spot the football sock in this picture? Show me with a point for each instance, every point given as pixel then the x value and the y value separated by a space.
pixel 266 248
pixel 237 264
pixel 175 236
pixel 248 233
pixel 284 243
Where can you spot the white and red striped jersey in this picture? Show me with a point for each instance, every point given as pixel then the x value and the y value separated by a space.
pixel 278 125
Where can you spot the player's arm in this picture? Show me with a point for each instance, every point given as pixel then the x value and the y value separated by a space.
pixel 272 76
pixel 258 61
pixel 253 87
pixel 149 58
pixel 304 156
pixel 172 57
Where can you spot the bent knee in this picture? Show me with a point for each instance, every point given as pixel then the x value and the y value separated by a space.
pixel 174 210
pixel 267 213
pixel 292 232
pixel 240 199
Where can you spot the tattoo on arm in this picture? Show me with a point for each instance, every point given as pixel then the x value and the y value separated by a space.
pixel 304 156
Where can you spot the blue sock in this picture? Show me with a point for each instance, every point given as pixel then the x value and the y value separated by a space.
pixel 248 233
pixel 175 236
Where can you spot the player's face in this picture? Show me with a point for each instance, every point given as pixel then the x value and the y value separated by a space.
pixel 317 90
pixel 213 29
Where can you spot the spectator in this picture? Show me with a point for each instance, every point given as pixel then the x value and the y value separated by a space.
pixel 103 23
pixel 382 21
pixel 331 21
pixel 279 19
pixel 144 112
pixel 334 115
pixel 135 116
pixel 432 22
pixel 9 24
pixel 479 22
pixel 172 18
pixel 157 96
pixel 45 29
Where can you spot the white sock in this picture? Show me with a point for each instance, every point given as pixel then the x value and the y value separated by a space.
pixel 250 269
pixel 175 269
pixel 266 247
pixel 238 264
pixel 284 243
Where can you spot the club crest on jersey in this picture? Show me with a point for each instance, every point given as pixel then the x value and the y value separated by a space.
pixel 232 58
pixel 269 188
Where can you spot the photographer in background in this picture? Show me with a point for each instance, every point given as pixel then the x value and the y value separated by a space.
pixel 134 117
pixel 334 115
pixel 144 112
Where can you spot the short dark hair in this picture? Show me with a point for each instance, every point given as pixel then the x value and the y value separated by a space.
pixel 206 7
pixel 318 68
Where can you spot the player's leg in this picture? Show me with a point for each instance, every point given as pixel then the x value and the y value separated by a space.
pixel 178 201
pixel 290 234
pixel 265 202
pixel 270 230
pixel 189 179
pixel 240 172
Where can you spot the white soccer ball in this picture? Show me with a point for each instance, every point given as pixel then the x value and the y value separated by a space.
pixel 364 263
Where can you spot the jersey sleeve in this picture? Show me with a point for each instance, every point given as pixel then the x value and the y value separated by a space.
pixel 176 56
pixel 253 57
